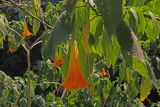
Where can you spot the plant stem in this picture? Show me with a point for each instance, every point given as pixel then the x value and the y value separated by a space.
pixel 64 92
pixel 28 76
pixel 18 97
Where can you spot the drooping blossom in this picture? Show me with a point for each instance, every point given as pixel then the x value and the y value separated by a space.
pixel 75 78
pixel 26 32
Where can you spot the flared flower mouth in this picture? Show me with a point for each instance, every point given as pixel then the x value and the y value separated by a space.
pixel 26 32
pixel 75 78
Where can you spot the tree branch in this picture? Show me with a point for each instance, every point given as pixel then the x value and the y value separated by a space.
pixel 42 21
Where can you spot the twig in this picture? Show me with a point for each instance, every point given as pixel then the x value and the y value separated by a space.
pixel 43 22
pixel 38 40
pixel 35 44
pixel 49 83
pixel 64 92
pixel 25 48
pixel 14 31
pixel 19 96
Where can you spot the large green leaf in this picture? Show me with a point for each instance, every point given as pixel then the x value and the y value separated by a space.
pixel 36 26
pixel 131 47
pixel 128 41
pixel 111 12
pixel 59 33
pixel 142 23
pixel 107 47
pixel 145 89
pixel 124 37
pixel 110 48
pixel 140 67
pixel 133 91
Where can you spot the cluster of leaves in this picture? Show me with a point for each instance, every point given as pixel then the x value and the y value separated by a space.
pixel 108 34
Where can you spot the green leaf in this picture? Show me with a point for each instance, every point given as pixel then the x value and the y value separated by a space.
pixel 111 48
pixel 128 41
pixel 115 50
pixel 129 75
pixel 3 23
pixel 152 76
pixel 133 91
pixel 145 89
pixel 23 102
pixel 99 29
pixel 156 7
pixel 58 34
pixel 142 23
pixel 36 26
pixel 124 37
pixel 80 13
pixel 154 20
pixel 107 47
pixel 111 12
pixel 134 14
pixel 150 31
pixel 65 66
pixel 140 67
pixel 98 46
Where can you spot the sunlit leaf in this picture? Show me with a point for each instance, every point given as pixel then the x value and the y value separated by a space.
pixel 36 26
pixel 140 67
pixel 134 14
pixel 156 7
pixel 133 91
pixel 3 23
pixel 145 89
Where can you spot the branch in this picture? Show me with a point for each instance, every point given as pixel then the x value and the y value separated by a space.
pixel 43 22
pixel 19 96
pixel 35 44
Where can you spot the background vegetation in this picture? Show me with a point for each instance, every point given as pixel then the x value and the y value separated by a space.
pixel 119 37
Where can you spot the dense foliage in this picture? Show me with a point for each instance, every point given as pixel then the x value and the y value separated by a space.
pixel 80 53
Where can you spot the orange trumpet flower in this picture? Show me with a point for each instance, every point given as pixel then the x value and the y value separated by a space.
pixel 58 61
pixel 75 78
pixel 104 73
pixel 26 32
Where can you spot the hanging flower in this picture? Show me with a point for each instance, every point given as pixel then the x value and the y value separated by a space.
pixel 75 78
pixel 58 61
pixel 26 32
pixel 12 50
pixel 104 73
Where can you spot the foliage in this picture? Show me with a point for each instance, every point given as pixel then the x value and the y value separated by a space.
pixel 121 37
